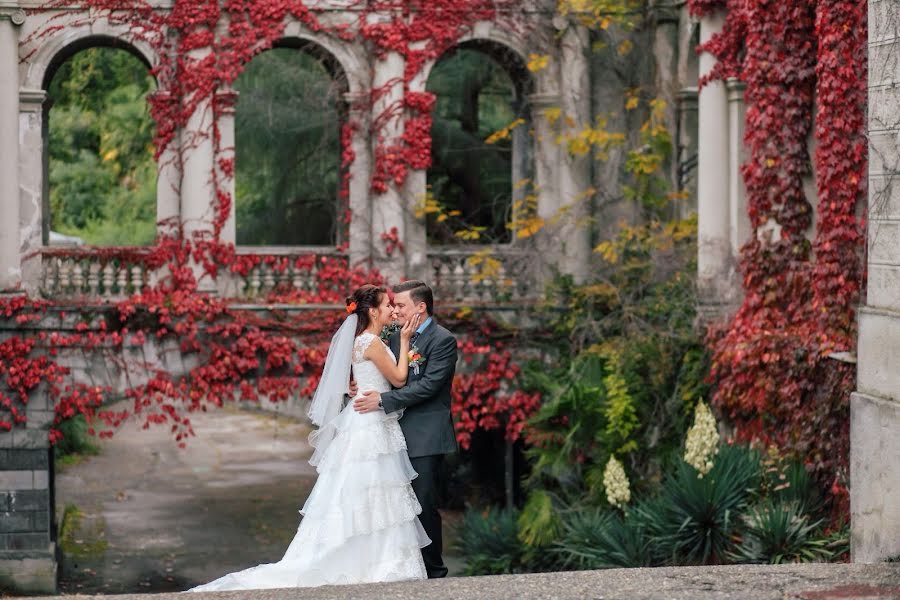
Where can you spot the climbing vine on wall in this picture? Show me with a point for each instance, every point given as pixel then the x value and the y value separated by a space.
pixel 202 47
pixel 804 65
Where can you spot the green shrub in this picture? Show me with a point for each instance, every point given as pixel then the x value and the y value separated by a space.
pixel 489 542
pixel 76 439
pixel 780 532
pixel 693 520
pixel 602 539
pixel 793 483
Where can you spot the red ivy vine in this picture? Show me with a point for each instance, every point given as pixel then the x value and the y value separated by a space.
pixel 772 366
pixel 487 398
pixel 202 47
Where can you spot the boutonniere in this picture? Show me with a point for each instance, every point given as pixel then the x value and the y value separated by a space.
pixel 415 359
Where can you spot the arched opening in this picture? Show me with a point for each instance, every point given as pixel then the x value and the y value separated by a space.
pixel 100 174
pixel 288 147
pixel 481 143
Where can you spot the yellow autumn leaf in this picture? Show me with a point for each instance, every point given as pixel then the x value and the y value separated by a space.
pixel 538 62
pixel 624 47
pixel 111 155
pixel 553 114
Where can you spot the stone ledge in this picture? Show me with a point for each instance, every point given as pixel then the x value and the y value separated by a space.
pixel 28 575
pixel 757 582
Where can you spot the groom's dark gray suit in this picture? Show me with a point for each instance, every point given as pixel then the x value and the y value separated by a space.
pixel 428 426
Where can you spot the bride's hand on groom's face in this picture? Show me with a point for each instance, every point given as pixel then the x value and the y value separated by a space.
pixel 409 328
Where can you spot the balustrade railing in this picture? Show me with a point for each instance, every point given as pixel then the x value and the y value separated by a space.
pixel 283 270
pixel 483 274
pixel 101 274
pixel 462 274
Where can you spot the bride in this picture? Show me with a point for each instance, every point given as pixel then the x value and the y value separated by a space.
pixel 359 523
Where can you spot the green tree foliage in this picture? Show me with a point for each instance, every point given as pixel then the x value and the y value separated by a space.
pixel 102 172
pixel 288 153
pixel 469 176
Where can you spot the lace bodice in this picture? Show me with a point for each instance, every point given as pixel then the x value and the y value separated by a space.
pixel 367 375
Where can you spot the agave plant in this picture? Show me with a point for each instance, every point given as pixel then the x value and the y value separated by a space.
pixel 601 539
pixel 694 520
pixel 792 483
pixel 488 542
pixel 779 532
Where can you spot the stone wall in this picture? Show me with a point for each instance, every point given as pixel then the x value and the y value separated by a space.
pixel 27 531
pixel 875 407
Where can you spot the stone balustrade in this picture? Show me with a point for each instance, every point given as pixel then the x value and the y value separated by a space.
pixel 95 274
pixel 483 274
pixel 282 269
pixel 464 274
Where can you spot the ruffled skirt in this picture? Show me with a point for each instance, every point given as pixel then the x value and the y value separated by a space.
pixel 359 523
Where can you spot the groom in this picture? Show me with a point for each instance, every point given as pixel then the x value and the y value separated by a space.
pixel 426 421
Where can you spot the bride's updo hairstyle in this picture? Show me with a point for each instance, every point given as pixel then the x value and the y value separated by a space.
pixel 365 297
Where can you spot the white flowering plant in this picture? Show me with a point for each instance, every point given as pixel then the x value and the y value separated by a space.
pixel 702 442
pixel 615 481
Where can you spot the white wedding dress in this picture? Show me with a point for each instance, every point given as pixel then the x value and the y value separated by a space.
pixel 359 523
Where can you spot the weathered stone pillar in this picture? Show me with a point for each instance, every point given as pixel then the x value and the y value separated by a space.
pixel 686 148
pixel 546 158
pixel 198 197
pixel 574 236
pixel 360 200
pixel 11 17
pixel 414 189
pixel 168 179
pixel 388 208
pixel 225 105
pixel 33 187
pixel 715 268
pixel 875 407
pixel 665 51
pixel 739 230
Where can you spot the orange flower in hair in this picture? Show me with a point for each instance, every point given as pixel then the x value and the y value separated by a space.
pixel 351 308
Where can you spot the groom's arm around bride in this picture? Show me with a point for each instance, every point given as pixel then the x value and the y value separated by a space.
pixel 425 400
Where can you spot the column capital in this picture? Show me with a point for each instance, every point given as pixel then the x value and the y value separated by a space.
pixel 31 100
pixel 226 99
pixel 545 100
pixel 687 98
pixel 13 12
pixel 735 88
pixel 358 102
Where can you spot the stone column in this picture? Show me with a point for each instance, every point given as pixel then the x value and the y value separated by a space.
pixel 198 197
pixel 360 200
pixel 739 230
pixel 168 180
pixel 33 188
pixel 10 267
pixel 388 208
pixel 686 148
pixel 875 406
pixel 225 105
pixel 546 160
pixel 665 51
pixel 714 264
pixel 574 235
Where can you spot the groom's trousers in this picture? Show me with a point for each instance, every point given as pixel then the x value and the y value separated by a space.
pixel 426 487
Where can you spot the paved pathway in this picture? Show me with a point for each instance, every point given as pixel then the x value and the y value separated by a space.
pixel 785 582
pixel 159 518
pixel 156 518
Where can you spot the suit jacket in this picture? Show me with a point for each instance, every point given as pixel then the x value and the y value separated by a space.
pixel 426 420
